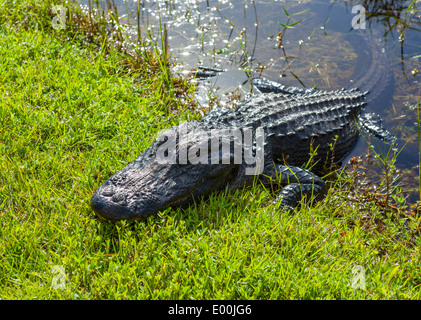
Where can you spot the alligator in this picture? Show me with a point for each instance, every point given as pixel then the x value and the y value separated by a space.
pixel 294 125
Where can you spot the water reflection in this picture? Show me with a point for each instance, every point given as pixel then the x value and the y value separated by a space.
pixel 397 18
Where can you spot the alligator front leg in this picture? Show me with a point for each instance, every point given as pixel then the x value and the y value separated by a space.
pixel 297 183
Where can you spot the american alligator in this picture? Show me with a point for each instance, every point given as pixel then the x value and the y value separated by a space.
pixel 294 121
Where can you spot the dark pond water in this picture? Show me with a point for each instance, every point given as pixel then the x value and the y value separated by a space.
pixel 319 48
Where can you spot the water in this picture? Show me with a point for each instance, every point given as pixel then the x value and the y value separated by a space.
pixel 320 49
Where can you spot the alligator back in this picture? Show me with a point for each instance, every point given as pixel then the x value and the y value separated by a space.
pixel 296 124
pixel 323 122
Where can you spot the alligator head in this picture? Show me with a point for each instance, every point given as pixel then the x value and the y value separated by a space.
pixel 158 179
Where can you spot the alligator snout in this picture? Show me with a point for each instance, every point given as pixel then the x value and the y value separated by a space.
pixel 120 205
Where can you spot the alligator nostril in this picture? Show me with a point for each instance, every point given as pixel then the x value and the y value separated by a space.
pixel 118 197
pixel 108 192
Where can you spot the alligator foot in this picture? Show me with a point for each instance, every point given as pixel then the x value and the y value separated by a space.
pixel 297 183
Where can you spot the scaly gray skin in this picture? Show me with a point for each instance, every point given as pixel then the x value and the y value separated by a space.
pixel 294 121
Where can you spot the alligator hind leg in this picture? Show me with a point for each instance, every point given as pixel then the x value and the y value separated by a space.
pixel 297 183
pixel 373 124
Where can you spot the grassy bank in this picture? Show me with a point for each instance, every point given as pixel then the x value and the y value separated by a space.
pixel 72 113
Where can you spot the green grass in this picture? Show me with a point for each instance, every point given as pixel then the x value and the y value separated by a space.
pixel 71 116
